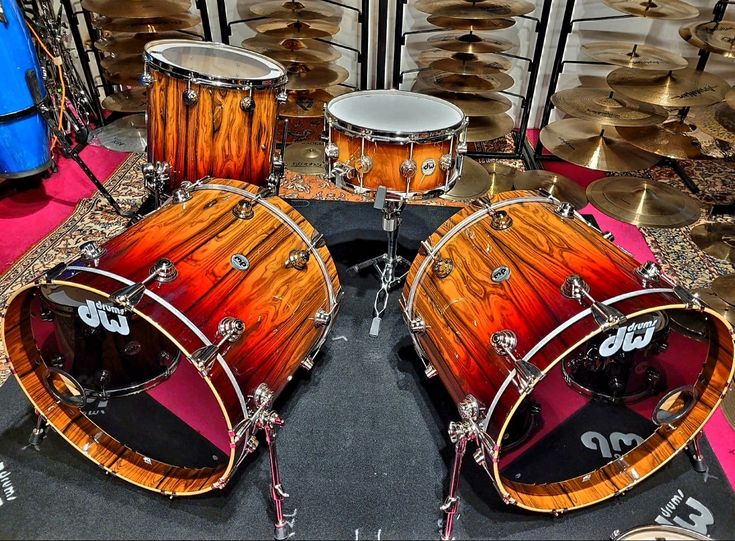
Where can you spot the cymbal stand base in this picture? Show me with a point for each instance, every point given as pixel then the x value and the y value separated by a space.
pixel 694 450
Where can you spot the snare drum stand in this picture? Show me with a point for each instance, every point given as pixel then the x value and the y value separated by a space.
pixel 390 261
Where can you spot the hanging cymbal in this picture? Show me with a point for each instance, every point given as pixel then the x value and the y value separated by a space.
pixel 502 176
pixel 297 29
pixel 305 158
pixel 130 45
pixel 607 108
pixel 642 202
pixel 561 187
pixel 470 84
pixel 474 182
pixel 487 128
pixel 480 9
pixel 261 43
pixel 714 37
pixel 473 105
pixel 123 71
pixel 673 139
pixel 324 54
pixel 716 239
pixel 310 103
pixel 670 9
pixel 714 301
pixel 162 24
pixel 305 77
pixel 634 55
pixel 594 145
pixel 276 9
pixel 472 67
pixel 681 88
pixel 469 43
pixel 458 23
pixel 717 120
pixel 132 100
pixel 126 134
pixel 724 287
pixel 137 9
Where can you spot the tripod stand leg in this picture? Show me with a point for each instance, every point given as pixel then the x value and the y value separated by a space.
pixel 694 449
pixel 451 503
pixel 277 492
pixel 38 433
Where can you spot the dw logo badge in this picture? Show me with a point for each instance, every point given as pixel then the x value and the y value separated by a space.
pixel 94 314
pixel 634 336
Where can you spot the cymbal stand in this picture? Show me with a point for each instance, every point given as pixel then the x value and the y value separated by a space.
pixel 386 265
pixel 694 450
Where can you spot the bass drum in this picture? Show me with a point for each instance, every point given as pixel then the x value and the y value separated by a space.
pixel 559 349
pixel 153 354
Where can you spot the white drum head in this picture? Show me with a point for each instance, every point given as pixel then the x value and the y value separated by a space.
pixel 214 60
pixel 395 111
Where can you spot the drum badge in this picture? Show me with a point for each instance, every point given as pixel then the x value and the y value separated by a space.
pixel 96 313
pixel 428 167
pixel 240 262
pixel 634 336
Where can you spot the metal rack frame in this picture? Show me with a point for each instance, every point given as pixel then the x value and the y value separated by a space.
pixel 363 19
pixel 522 150
pixel 560 61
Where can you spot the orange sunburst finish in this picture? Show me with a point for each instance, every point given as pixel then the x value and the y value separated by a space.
pixel 541 249
pixel 277 305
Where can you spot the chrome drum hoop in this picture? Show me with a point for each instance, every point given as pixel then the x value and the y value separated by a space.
pixel 399 138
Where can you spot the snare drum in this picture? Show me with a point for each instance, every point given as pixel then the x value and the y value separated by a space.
pixel 411 144
pixel 154 353
pixel 520 306
pixel 212 110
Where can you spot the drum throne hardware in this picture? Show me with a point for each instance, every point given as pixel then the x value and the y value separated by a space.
pixel 588 298
pixel 137 323
pixel 374 148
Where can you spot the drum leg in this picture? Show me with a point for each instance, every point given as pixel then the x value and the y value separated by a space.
pixel 277 492
pixel 38 433
pixel 694 449
pixel 451 503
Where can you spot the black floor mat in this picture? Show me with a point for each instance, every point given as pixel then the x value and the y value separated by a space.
pixel 364 453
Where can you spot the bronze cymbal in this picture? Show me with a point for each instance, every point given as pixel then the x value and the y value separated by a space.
pixel 714 301
pixel 126 134
pixel 458 23
pixel 324 54
pixel 607 108
pixel 131 45
pixel 474 182
pixel 717 120
pixel 642 202
pixel 310 103
pixel 502 176
pixel 591 144
pixel 716 239
pixel 724 287
pixel 487 128
pixel 297 29
pixel 469 84
pixel 305 77
pixel 472 67
pixel 123 71
pixel 634 55
pixel 261 43
pixel 673 139
pixel 469 43
pixel 161 24
pixel 561 187
pixel 137 9
pixel 132 100
pixel 275 9
pixel 670 9
pixel 714 37
pixel 681 88
pixel 728 404
pixel 306 158
pixel 473 104
pixel 480 9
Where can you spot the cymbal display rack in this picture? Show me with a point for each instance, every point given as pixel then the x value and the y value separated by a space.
pixel 567 28
pixel 73 15
pixel 522 150
pixel 363 19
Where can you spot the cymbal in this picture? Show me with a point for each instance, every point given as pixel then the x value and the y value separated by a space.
pixel 681 88
pixel 126 134
pixel 671 9
pixel 458 23
pixel 480 9
pixel 714 37
pixel 305 158
pixel 132 100
pixel 634 55
pixel 469 84
pixel 297 29
pixel 730 98
pixel 717 120
pixel 309 103
pixel 714 301
pixel 260 43
pixel 472 67
pixel 275 9
pixel 593 145
pixel 554 184
pixel 123 71
pixel 672 139
pixel 469 43
pixel 724 287
pixel 643 202
pixel 133 45
pixel 326 53
pixel 473 104
pixel 502 176
pixel 474 182
pixel 486 128
pixel 607 108
pixel 728 406
pixel 716 239
pixel 137 9
pixel 304 77
pixel 153 24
